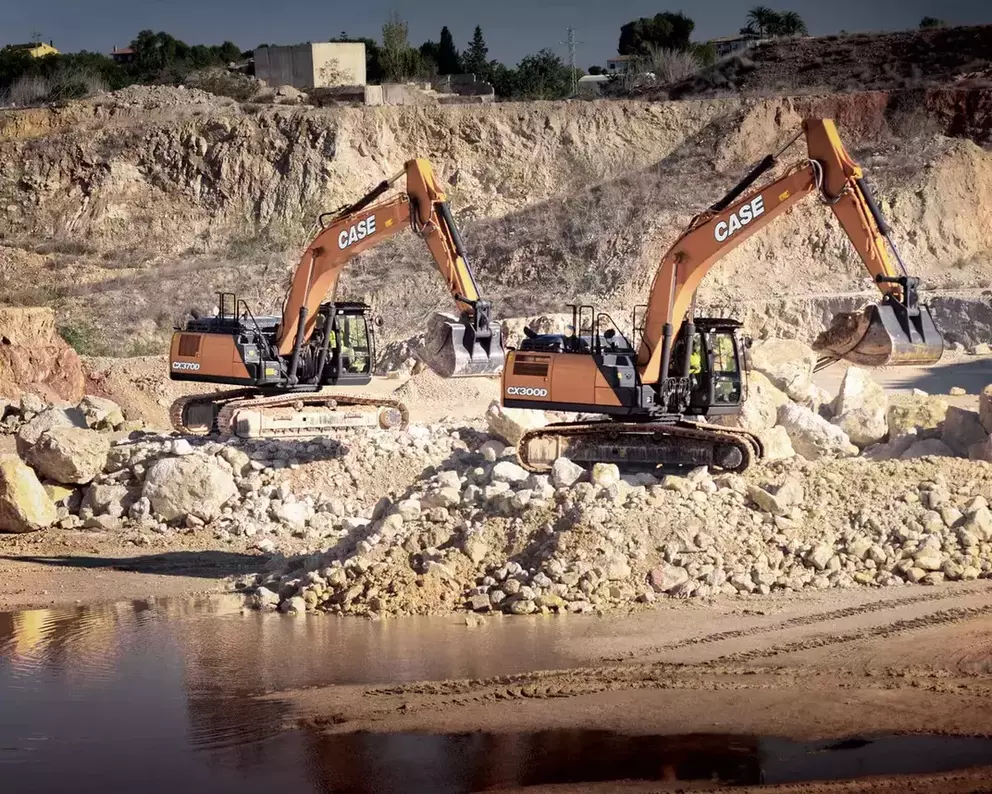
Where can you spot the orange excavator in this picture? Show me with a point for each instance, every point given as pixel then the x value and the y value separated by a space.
pixel 684 366
pixel 283 362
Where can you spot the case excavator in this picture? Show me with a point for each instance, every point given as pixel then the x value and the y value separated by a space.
pixel 283 362
pixel 686 367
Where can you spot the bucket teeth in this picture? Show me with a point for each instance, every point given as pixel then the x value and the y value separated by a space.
pixel 453 350
pixel 883 335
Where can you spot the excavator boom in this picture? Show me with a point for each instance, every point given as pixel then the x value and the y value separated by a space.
pixel 897 331
pixel 457 346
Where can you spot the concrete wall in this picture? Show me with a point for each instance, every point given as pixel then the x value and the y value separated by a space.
pixel 307 66
pixel 373 95
pixel 463 84
pixel 349 68
pixel 285 66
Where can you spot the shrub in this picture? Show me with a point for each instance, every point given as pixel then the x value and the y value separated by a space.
pixel 28 90
pixel 671 65
pixel 75 82
pixel 80 338
pixel 221 82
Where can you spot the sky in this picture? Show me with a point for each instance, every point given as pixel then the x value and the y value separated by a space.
pixel 512 28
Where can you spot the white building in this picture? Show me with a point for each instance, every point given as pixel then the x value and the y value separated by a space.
pixel 728 45
pixel 620 65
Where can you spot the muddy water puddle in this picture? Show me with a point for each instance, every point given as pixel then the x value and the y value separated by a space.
pixel 161 696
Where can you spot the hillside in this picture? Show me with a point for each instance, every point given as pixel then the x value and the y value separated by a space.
pixel 960 56
pixel 127 212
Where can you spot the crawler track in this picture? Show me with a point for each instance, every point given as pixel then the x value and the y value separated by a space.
pixel 678 443
pixel 224 405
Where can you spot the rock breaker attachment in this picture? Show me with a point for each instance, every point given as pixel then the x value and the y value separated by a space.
pixel 898 331
pixel 462 347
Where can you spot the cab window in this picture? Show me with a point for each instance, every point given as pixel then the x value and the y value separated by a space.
pixel 726 369
pixel 355 345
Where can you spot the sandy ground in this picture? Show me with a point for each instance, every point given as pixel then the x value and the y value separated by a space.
pixel 827 665
pixel 57 567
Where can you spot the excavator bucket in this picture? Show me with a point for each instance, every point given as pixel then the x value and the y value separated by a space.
pixel 884 334
pixel 455 348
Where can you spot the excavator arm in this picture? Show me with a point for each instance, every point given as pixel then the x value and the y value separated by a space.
pixel 898 330
pixel 469 346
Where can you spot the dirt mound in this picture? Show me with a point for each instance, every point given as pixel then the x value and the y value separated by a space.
pixel 161 96
pixel 35 359
pixel 139 385
pixel 904 59
pixel 431 397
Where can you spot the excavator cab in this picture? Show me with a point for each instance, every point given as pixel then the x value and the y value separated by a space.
pixel 351 347
pixel 717 367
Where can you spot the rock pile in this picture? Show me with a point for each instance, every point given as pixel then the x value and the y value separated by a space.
pixel 792 415
pixel 485 535
pixel 429 520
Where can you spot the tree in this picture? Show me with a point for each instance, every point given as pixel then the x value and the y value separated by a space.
pixel 501 78
pixel 543 76
pixel 475 59
pixel 448 59
pixel 399 60
pixel 932 22
pixel 431 50
pixel 229 52
pixel 761 19
pixel 668 30
pixel 789 23
pixel 597 70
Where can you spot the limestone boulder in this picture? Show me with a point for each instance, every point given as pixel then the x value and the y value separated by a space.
pixel 962 430
pixel 565 473
pixel 787 363
pixel 511 423
pixel 70 455
pixel 864 426
pixel 101 413
pixel 861 408
pixel 188 485
pixel 919 413
pixel 928 447
pixel 985 408
pixel 25 506
pixel 812 436
pixel 760 409
pixel 48 419
pixel 776 444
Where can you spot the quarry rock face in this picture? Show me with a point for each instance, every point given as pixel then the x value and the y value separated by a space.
pixel 35 359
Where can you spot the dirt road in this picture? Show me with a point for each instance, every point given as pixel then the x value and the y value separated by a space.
pixel 972 373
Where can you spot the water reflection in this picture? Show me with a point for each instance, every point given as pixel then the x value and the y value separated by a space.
pixel 82 687
pixel 159 696
pixel 386 763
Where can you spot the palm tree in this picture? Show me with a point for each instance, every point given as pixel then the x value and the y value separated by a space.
pixel 762 19
pixel 791 24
